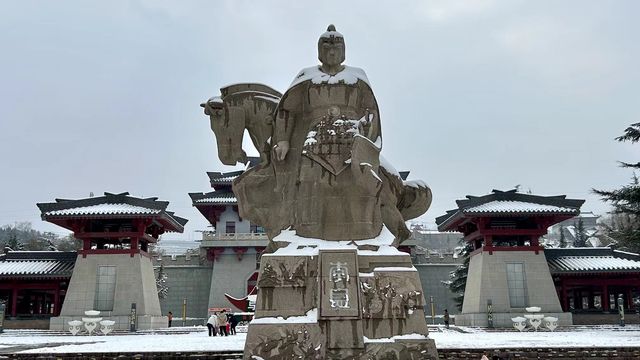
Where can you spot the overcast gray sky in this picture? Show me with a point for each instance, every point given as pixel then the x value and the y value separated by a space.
pixel 474 95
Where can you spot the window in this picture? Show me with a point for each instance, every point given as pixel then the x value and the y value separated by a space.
pixel 517 285
pixel 231 227
pixel 255 229
pixel 105 288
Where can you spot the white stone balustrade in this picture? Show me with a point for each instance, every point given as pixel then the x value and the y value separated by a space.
pixel 535 320
pixel 74 326
pixel 519 323
pixel 91 324
pixel 106 326
pixel 551 322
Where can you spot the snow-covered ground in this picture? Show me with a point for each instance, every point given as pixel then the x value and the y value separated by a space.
pixel 196 339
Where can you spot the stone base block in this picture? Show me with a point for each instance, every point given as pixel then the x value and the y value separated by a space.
pixel 308 341
pixel 503 320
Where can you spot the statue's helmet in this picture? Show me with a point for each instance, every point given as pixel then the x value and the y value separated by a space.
pixel 331 49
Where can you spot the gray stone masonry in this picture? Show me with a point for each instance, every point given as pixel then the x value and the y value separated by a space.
pixel 135 283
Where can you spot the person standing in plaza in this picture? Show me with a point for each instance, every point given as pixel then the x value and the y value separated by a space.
pixel 233 322
pixel 222 323
pixel 446 318
pixel 170 317
pixel 212 325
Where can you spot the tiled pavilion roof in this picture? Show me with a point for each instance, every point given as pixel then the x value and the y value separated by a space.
pixel 218 197
pixel 37 264
pixel 112 206
pixel 591 260
pixel 509 203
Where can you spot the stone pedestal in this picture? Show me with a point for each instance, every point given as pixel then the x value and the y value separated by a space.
pixel 487 280
pixel 338 300
pixel 134 283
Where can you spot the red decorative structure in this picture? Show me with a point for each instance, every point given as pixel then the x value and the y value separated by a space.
pixel 113 223
pixel 113 269
pixel 507 267
pixel 507 220
pixel 589 281
pixel 35 282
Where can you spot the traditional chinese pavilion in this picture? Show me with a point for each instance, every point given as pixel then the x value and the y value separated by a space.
pixel 508 270
pixel 34 283
pixel 234 246
pixel 590 282
pixel 113 269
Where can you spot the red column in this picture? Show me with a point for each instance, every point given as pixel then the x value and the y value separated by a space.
pixel 14 302
pixel 56 300
pixel 605 298
pixel 565 298
pixel 134 246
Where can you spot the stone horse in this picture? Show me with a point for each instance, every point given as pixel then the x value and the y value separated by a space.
pixel 242 106
pixel 252 107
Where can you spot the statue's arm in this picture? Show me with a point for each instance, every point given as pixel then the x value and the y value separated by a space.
pixel 285 122
pixel 283 129
pixel 373 131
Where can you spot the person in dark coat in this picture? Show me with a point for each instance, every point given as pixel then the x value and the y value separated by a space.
pixel 233 322
pixel 446 318
pixel 170 317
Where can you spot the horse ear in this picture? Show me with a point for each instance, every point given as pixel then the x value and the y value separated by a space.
pixel 202 104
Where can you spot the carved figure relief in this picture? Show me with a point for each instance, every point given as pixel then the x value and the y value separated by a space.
pixel 287 344
pixel 286 271
pixel 389 295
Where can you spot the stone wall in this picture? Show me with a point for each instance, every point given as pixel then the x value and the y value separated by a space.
pixel 191 282
pixel 544 353
pixel 230 275
pixel 431 277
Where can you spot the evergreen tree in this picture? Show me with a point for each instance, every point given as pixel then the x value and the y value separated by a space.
pixel 161 283
pixel 13 242
pixel 580 239
pixel 458 281
pixel 563 241
pixel 626 200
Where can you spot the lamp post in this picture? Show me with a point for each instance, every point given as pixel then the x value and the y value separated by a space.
pixel 184 312
pixel 621 309
pixel 2 308
pixel 489 314
pixel 133 318
pixel 433 310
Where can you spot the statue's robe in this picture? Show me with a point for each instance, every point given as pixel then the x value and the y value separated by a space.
pixel 329 189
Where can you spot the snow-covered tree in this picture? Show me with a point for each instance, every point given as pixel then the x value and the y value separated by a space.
pixel 458 281
pixel 562 242
pixel 581 236
pixel 13 242
pixel 161 283
pixel 626 200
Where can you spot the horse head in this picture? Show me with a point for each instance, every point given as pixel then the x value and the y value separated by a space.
pixel 242 106
pixel 228 126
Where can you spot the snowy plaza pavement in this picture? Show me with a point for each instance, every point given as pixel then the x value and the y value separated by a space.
pixel 196 339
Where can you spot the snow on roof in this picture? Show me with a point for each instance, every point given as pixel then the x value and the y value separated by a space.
pixel 592 263
pixel 104 209
pixel 44 268
pixel 218 200
pixel 226 178
pixel 508 206
pixel 349 75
